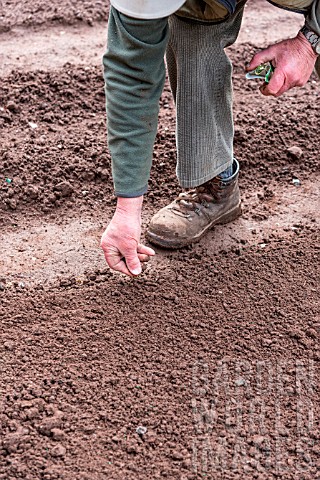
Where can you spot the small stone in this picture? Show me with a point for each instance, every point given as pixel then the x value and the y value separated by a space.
pixel 296 182
pixel 258 440
pixel 89 429
pixel 295 152
pixel 12 441
pixel 132 449
pixel 151 438
pixel 9 345
pixel 32 413
pixel 176 456
pixel 141 430
pixel 65 282
pixel 58 451
pixel 12 204
pixel 32 125
pixel 65 188
pixel 13 107
pixel 49 423
pixel 240 382
pixel 57 434
pixel 32 192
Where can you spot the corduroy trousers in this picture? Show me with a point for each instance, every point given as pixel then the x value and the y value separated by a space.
pixel 200 77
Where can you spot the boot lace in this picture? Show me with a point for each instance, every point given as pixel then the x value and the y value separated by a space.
pixel 199 196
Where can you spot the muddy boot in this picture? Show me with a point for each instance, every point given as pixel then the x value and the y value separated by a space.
pixel 194 212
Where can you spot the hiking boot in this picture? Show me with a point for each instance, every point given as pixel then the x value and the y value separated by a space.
pixel 194 212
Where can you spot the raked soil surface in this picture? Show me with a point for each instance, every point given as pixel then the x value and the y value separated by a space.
pixel 207 365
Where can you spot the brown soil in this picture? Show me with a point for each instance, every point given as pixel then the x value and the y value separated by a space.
pixel 214 349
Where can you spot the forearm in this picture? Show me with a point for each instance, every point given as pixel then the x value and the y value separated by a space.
pixel 134 74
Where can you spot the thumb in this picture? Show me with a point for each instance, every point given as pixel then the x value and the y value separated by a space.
pixel 261 57
pixel 133 262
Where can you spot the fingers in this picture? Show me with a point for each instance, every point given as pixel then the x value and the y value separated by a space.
pixel 259 58
pixel 115 260
pixel 135 257
pixel 121 267
pixel 276 86
pixel 293 61
pixel 143 258
pixel 144 253
pixel 127 260
pixel 145 250
pixel 133 262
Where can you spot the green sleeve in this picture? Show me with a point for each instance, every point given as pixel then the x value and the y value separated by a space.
pixel 134 74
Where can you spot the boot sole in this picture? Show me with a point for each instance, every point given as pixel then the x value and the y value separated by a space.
pixel 226 217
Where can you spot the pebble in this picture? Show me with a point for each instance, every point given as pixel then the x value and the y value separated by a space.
pixel 132 449
pixel 57 434
pixel 65 188
pixel 295 152
pixel 258 440
pixel 58 451
pixel 12 441
pixel 296 182
pixel 240 382
pixel 51 423
pixel 176 456
pixel 141 430
pixel 32 413
pixel 13 107
pixel 32 192
pixel 12 204
pixel 9 345
pixel 32 125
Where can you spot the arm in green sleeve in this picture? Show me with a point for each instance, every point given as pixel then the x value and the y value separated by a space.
pixel 134 73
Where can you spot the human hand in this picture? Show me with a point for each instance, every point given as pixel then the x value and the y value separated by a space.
pixel 293 59
pixel 121 240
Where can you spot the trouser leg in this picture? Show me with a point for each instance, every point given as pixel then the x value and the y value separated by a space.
pixel 200 78
pixel 134 73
